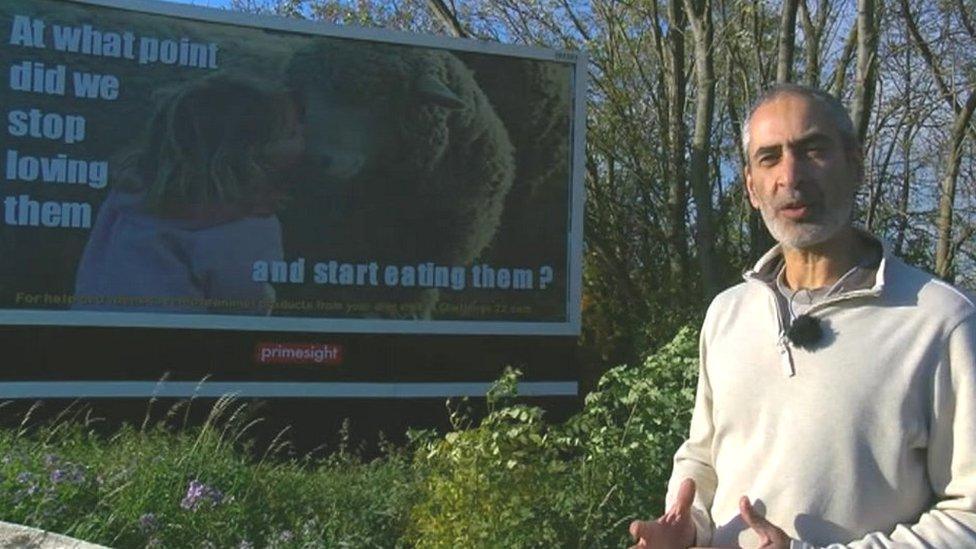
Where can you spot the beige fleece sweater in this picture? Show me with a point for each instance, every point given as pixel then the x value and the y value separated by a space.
pixel 868 440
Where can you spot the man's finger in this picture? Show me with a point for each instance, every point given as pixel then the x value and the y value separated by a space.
pixel 639 529
pixel 634 530
pixel 682 503
pixel 749 514
pixel 686 495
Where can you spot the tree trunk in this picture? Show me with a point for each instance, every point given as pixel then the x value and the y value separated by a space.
pixel 677 186
pixel 906 155
pixel 840 72
pixel 906 185
pixel 867 51
pixel 811 47
pixel 700 14
pixel 787 41
pixel 447 18
pixel 943 255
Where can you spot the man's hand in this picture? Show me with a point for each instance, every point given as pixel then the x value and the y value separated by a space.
pixel 770 536
pixel 674 529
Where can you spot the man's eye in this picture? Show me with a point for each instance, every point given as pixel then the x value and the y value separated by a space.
pixel 817 151
pixel 767 160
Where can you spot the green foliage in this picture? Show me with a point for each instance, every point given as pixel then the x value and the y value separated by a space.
pixel 514 481
pixel 629 429
pixel 197 488
pixel 509 480
pixel 491 485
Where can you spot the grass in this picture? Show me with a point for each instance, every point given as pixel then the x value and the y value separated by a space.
pixel 155 486
pixel 511 479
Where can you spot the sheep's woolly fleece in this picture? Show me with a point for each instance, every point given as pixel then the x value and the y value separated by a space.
pixel 436 188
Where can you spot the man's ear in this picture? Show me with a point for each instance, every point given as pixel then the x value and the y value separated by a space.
pixel 750 190
pixel 855 158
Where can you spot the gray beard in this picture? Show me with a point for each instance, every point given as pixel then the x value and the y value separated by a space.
pixel 804 235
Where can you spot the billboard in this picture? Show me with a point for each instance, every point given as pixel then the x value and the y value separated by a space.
pixel 180 167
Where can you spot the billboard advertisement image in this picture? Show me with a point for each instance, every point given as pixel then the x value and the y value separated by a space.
pixel 169 166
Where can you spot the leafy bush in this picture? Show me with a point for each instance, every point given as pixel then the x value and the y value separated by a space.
pixel 514 481
pixel 492 484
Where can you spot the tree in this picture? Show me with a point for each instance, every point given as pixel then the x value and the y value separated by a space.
pixel 961 126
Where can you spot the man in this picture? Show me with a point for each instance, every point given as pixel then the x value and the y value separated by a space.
pixel 836 400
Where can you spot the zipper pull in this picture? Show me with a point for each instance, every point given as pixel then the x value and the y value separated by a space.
pixel 785 358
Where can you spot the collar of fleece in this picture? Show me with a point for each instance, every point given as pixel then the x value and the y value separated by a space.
pixel 766 269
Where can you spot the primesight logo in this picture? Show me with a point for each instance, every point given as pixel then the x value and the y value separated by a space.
pixel 298 353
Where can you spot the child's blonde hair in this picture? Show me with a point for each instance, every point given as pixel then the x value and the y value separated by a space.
pixel 206 145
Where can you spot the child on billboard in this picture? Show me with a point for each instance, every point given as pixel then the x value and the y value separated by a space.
pixel 196 205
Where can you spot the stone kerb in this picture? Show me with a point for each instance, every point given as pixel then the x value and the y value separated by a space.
pixel 17 536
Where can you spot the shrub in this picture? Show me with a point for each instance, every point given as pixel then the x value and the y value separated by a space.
pixel 513 481
pixel 628 432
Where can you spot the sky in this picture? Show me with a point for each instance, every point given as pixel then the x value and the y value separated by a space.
pixel 205 3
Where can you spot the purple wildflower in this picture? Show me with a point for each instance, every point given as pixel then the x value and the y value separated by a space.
pixel 78 474
pixel 74 474
pixel 198 493
pixel 50 460
pixel 28 479
pixel 286 536
pixel 194 493
pixel 147 522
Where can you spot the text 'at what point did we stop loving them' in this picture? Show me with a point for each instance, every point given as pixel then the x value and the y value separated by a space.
pixel 29 125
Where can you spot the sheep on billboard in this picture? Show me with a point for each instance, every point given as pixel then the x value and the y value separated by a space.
pixel 173 166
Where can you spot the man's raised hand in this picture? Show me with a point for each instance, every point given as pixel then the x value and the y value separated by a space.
pixel 770 535
pixel 674 529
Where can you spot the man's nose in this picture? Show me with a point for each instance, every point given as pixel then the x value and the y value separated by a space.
pixel 791 170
